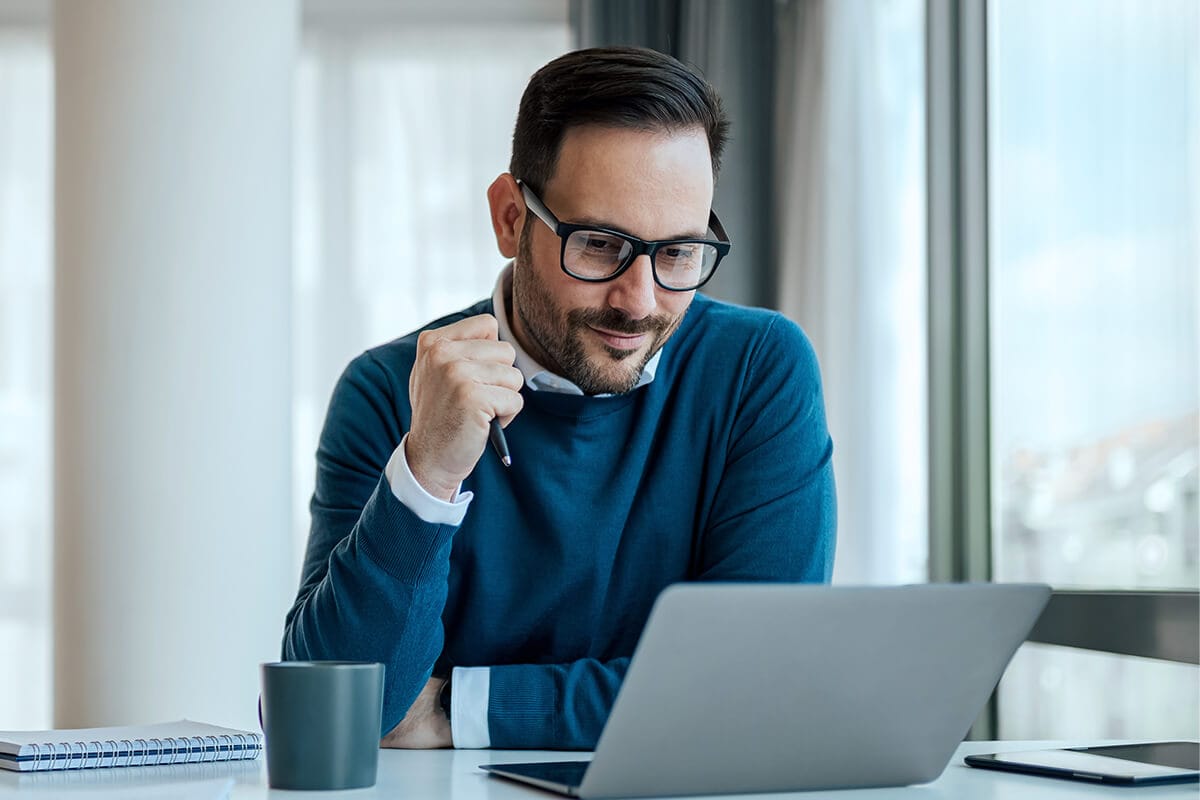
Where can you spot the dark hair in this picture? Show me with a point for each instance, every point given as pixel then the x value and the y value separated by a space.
pixel 621 87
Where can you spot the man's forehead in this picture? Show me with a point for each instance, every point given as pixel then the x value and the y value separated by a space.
pixel 633 176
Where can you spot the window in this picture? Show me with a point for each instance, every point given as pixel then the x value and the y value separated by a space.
pixel 1094 147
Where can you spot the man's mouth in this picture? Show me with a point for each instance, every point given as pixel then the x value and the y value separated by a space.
pixel 621 341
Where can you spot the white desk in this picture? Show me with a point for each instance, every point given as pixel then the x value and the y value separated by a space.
pixel 453 775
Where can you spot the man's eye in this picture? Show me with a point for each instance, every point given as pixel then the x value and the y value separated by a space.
pixel 600 244
pixel 679 252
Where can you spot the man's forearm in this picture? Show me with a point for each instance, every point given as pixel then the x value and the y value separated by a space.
pixel 380 599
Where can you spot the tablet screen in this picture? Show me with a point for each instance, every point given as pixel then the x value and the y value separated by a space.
pixel 1184 755
pixel 1159 759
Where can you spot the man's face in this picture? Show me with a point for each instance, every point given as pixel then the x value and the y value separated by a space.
pixel 651 185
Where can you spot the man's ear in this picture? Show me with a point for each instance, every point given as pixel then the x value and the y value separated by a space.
pixel 508 213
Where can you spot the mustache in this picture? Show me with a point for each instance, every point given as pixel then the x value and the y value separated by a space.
pixel 612 320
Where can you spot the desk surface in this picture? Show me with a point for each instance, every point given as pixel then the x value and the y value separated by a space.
pixel 454 774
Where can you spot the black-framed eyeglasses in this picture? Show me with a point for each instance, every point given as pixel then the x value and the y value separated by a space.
pixel 596 254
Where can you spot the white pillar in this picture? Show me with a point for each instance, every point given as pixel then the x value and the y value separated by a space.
pixel 172 356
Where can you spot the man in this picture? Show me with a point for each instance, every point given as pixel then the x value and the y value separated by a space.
pixel 657 436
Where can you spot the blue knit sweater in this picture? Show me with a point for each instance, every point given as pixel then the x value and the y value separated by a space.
pixel 718 470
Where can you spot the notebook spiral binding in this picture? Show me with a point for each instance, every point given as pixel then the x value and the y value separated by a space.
pixel 143 752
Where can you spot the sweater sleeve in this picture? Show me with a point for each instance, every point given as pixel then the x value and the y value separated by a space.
pixel 375 575
pixel 774 515
pixel 552 706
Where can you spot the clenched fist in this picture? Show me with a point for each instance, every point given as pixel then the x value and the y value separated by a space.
pixel 462 378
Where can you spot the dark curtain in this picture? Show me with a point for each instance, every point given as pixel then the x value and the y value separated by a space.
pixel 733 44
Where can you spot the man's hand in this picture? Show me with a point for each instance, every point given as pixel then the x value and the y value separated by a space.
pixel 462 378
pixel 425 726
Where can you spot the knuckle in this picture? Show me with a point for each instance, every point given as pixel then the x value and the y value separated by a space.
pixel 425 339
pixel 461 393
pixel 439 350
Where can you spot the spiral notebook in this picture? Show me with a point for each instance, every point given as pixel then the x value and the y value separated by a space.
pixel 182 742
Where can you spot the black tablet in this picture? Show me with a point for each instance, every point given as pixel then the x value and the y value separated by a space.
pixel 1125 764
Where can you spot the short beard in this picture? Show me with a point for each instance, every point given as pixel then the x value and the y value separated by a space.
pixel 559 336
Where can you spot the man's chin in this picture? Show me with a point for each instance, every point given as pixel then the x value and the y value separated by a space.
pixel 611 384
pixel 616 371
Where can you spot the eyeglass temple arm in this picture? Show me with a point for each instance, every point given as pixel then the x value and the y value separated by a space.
pixel 715 225
pixel 535 203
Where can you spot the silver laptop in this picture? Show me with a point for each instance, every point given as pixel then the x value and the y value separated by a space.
pixel 738 688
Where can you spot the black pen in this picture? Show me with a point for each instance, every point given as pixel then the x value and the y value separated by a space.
pixel 499 443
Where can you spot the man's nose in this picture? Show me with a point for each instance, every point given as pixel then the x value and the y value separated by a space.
pixel 634 291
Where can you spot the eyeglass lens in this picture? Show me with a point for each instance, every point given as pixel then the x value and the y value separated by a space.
pixel 595 254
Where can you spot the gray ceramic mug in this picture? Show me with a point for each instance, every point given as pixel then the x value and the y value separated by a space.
pixel 321 720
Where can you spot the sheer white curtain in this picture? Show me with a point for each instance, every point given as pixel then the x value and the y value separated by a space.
pixel 851 200
pixel 400 129
pixel 26 299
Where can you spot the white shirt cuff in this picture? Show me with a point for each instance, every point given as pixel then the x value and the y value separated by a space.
pixel 420 502
pixel 469 690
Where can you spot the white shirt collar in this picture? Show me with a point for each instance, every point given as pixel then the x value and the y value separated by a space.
pixel 536 376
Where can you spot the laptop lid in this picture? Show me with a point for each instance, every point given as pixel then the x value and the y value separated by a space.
pixel 783 687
